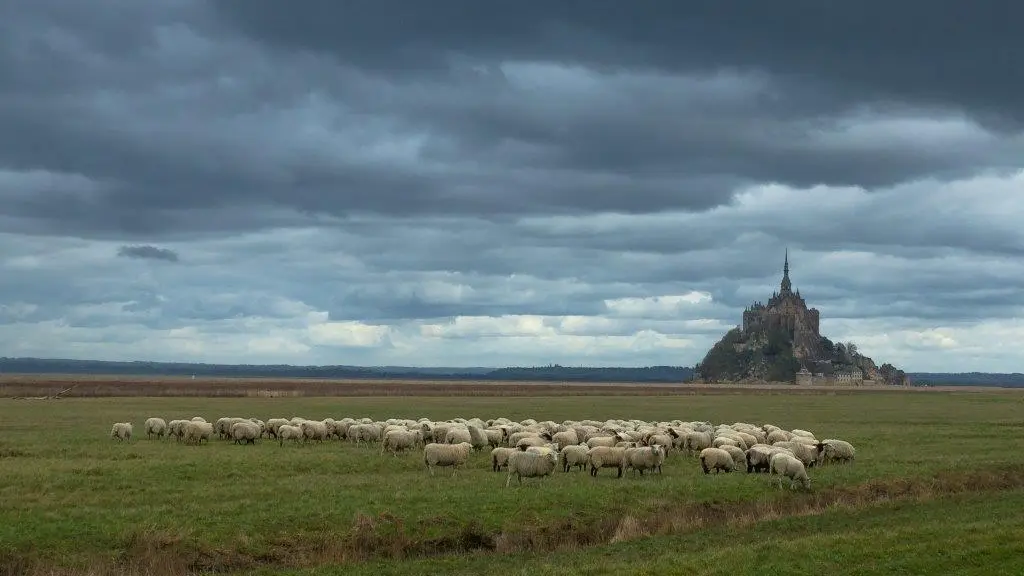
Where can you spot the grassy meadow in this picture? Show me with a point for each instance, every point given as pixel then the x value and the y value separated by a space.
pixel 73 501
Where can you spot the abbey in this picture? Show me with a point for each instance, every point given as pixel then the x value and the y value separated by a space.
pixel 786 311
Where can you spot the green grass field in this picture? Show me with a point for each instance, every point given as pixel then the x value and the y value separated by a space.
pixel 72 500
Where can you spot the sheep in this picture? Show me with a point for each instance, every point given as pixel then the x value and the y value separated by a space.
pixel 494 436
pixel 196 432
pixel 176 428
pixel 477 438
pixel 778 436
pixel 245 432
pixel 198 419
pixel 644 458
pixel 289 432
pixel 739 457
pixel 530 465
pixel 605 457
pixel 312 430
pixel 832 450
pixel 807 453
pixel 399 440
pixel 565 438
pixel 716 459
pixel 574 455
pixel 696 441
pixel 525 443
pixel 453 455
pixel 122 431
pixel 155 427
pixel 758 458
pixel 791 467
pixel 499 457
pixel 458 436
pixel 273 425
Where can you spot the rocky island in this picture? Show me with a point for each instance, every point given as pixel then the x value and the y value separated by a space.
pixel 780 341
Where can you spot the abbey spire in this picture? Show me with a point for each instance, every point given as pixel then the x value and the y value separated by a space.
pixel 786 285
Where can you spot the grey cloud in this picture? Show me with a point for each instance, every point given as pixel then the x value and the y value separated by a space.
pixel 147 252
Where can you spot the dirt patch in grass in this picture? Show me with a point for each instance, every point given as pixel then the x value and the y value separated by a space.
pixel 156 552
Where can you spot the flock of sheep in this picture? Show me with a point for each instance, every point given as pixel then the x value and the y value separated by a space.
pixel 532 449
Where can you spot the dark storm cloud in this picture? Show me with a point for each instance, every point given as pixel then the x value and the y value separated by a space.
pixel 147 252
pixel 940 52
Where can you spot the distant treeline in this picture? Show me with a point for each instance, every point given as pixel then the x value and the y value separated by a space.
pixel 555 372
pixel 540 373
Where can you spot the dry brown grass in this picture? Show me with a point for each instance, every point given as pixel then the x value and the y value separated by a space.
pixel 35 385
pixel 151 552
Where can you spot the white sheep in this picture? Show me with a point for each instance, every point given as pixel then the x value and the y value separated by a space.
pixel 499 457
pixel 313 430
pixel 458 435
pixel 807 453
pixel 605 457
pixel 574 455
pixel 176 428
pixel 155 427
pixel 832 450
pixel 245 432
pixel 530 464
pixel 273 424
pixel 758 458
pixel 289 432
pixel 716 459
pixel 453 455
pixel 122 431
pixel 739 457
pixel 644 458
pixel 791 467
pixel 477 437
pixel 196 432
pixel 399 440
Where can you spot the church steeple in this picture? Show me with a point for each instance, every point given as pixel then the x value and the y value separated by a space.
pixel 786 285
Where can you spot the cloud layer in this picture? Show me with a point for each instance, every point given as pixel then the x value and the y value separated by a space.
pixel 476 184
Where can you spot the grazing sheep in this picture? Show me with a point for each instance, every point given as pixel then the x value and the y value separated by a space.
pixel 832 450
pixel 458 436
pixel 807 453
pixel 453 455
pixel 289 432
pixel 606 441
pixel 198 419
pixel 122 431
pixel 694 442
pixel 565 438
pixel 574 455
pixel 245 432
pixel 313 430
pixel 477 437
pixel 397 441
pixel 530 465
pixel 525 443
pixel 273 424
pixel 176 428
pixel 778 436
pixel 499 457
pixel 196 432
pixel 155 427
pixel 739 457
pixel 716 459
pixel 644 458
pixel 791 467
pixel 758 459
pixel 606 457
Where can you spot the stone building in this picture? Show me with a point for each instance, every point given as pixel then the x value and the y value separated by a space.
pixel 787 310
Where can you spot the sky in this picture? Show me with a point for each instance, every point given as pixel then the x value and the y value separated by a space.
pixel 485 183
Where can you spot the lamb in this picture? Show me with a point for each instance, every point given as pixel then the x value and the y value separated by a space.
pixel 196 432
pixel 716 459
pixel 791 467
pixel 832 450
pixel 606 457
pixel 399 440
pixel 122 431
pixel 499 457
pixel 453 455
pixel 155 427
pixel 530 465
pixel 289 432
pixel 245 432
pixel 574 455
pixel 644 458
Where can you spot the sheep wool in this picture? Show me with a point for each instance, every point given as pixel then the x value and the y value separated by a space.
pixel 530 465
pixel 288 432
pixel 442 455
pixel 574 455
pixel 155 427
pixel 245 432
pixel 397 441
pixel 606 457
pixel 832 450
pixel 716 459
pixel 196 432
pixel 499 457
pixel 790 467
pixel 122 431
pixel 644 458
